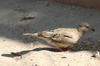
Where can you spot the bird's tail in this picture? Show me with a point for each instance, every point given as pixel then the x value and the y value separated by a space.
pixel 31 34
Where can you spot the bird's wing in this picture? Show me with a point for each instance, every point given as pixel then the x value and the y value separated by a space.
pixel 61 37
pixel 52 33
pixel 56 33
pixel 65 35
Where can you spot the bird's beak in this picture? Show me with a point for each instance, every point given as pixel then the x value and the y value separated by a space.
pixel 92 29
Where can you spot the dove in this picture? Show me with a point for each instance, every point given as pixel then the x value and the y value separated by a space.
pixel 63 38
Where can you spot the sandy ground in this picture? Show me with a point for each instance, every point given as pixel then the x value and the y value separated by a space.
pixel 48 15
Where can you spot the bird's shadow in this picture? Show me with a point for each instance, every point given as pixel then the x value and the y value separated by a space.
pixel 14 54
pixel 76 48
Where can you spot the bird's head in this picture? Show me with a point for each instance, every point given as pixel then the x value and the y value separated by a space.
pixel 84 27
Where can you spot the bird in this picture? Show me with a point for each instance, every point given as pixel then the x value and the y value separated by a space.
pixel 63 38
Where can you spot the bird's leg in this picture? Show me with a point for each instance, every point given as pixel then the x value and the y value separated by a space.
pixel 64 49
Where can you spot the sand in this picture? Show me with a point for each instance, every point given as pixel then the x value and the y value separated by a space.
pixel 48 15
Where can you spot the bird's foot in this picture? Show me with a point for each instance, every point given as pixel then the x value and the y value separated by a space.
pixel 64 49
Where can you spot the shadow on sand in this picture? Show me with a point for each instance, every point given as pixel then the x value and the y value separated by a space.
pixel 82 47
pixel 13 54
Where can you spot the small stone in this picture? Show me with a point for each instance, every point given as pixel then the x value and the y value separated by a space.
pixel 3 40
pixel 68 65
pixel 96 55
pixel 31 59
pixel 34 65
pixel 63 57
